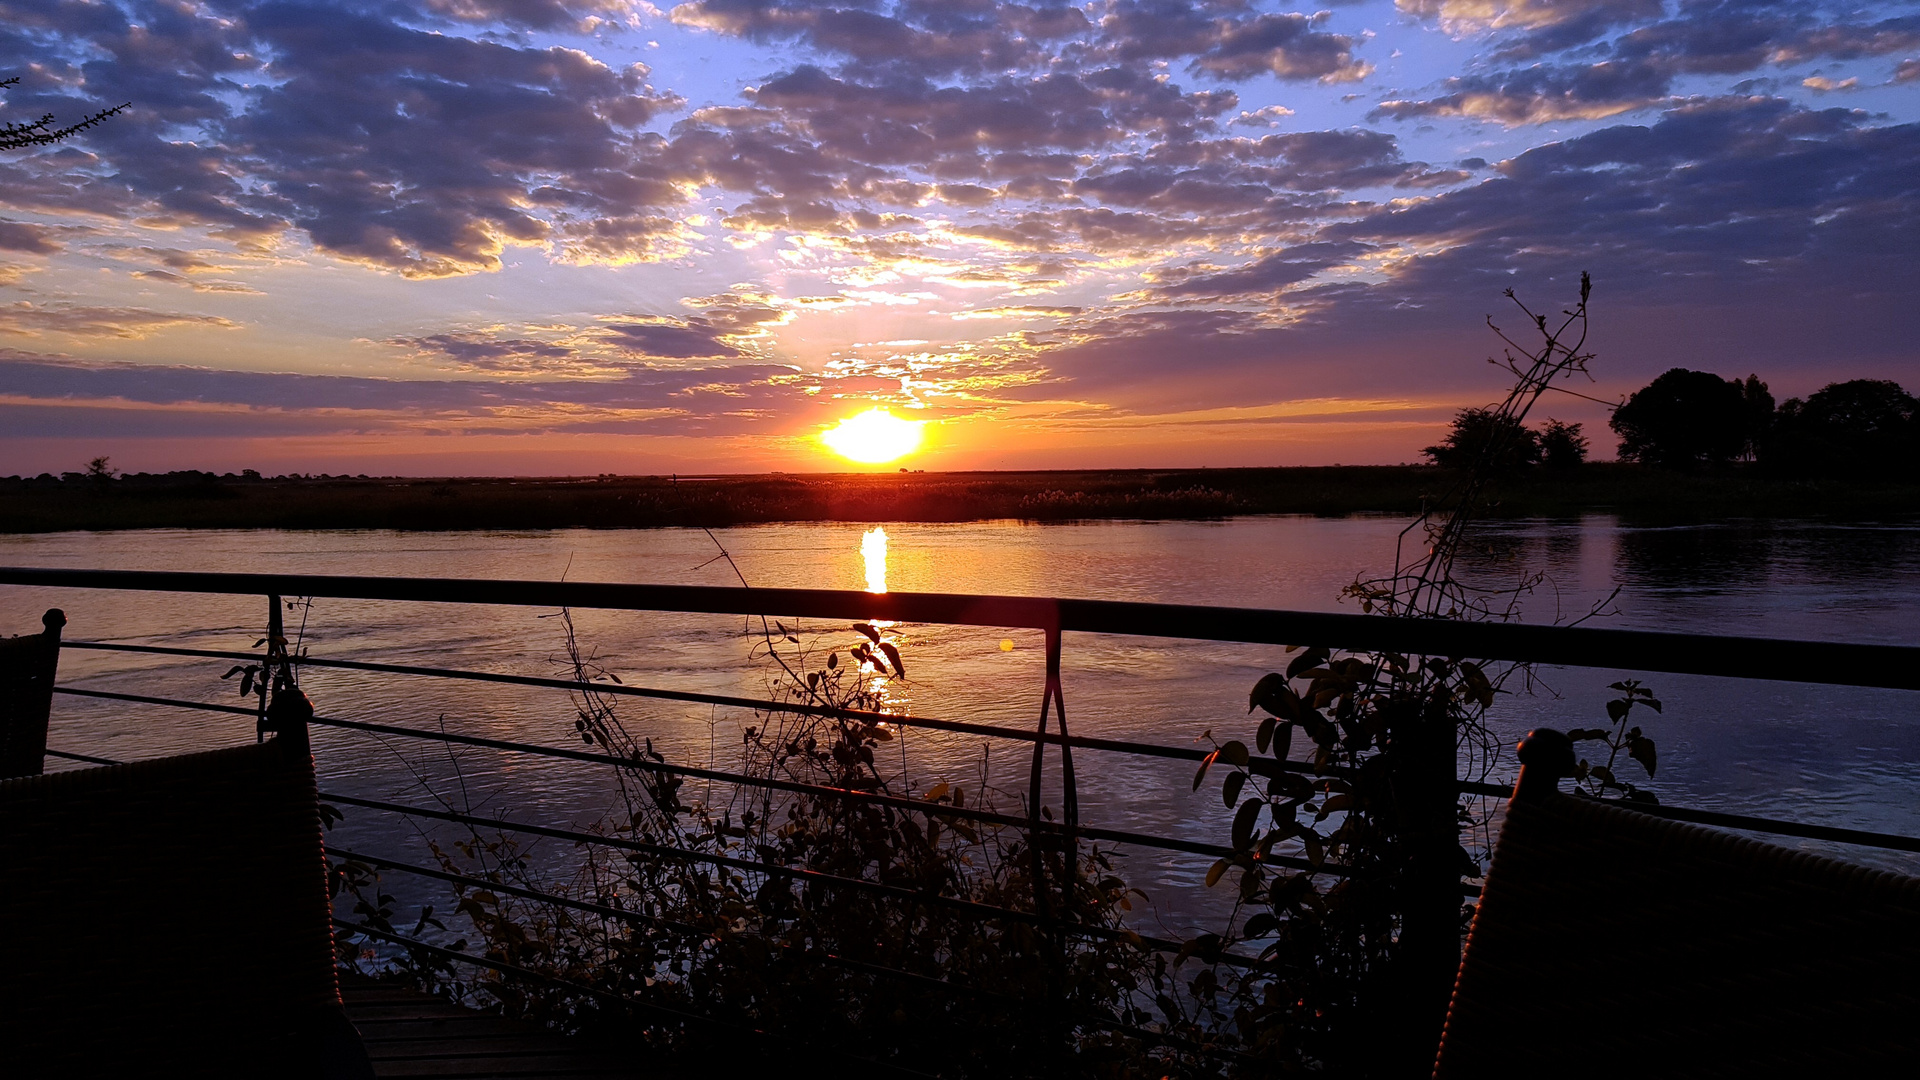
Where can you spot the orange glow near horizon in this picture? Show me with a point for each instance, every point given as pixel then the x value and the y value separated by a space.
pixel 874 437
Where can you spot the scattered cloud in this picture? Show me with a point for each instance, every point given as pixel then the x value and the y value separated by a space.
pixel 171 278
pixel 1639 68
pixel 31 239
pixel 87 321
pixel 1144 206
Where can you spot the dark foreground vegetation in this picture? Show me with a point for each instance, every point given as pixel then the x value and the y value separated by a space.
pixel 206 500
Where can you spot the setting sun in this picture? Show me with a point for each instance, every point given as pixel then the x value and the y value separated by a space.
pixel 873 436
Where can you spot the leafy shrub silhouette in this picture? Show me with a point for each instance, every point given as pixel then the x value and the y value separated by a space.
pixel 1358 949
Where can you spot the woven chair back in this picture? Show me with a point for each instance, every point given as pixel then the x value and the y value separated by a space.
pixel 27 668
pixel 169 913
pixel 1609 942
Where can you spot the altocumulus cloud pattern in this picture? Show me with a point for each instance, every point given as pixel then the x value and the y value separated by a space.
pixel 1233 230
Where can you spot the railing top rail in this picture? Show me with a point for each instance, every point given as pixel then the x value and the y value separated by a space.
pixel 1887 666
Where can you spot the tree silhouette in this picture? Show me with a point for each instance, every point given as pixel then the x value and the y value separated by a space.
pixel 1869 426
pixel 1759 415
pixel 1684 419
pixel 1502 441
pixel 41 132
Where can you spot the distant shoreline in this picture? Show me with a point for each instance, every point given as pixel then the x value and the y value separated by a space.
pixel 207 501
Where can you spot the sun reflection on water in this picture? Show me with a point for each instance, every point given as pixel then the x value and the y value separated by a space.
pixel 873 553
pixel 873 549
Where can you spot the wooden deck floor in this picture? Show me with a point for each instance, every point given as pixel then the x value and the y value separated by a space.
pixel 408 1033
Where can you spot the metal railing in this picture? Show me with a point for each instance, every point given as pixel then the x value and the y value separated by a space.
pixel 1883 666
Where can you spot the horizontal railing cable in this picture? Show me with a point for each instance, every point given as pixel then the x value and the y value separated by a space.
pixel 68 755
pixel 1858 837
pixel 1161 944
pixel 1481 787
pixel 150 699
pixel 921 806
pixel 754 866
pixel 603 910
pixel 1801 829
pixel 918 806
pixel 1837 663
pixel 1119 746
pixel 643 847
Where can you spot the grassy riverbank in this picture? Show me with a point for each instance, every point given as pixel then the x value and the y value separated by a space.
pixel 204 500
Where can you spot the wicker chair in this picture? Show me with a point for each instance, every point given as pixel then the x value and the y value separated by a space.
pixel 1611 942
pixel 27 667
pixel 170 917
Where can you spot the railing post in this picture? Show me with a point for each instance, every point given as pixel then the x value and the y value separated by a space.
pixel 1040 839
pixel 1052 700
pixel 28 666
pixel 1426 804
pixel 276 638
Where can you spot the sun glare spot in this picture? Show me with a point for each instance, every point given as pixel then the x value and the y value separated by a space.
pixel 873 436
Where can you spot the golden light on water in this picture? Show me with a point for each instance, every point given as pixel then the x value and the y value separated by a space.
pixel 874 436
pixel 873 549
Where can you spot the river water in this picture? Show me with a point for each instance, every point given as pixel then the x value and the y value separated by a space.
pixel 1839 756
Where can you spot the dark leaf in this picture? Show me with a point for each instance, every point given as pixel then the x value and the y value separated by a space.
pixel 1477 685
pixel 1260 925
pixel 1230 791
pixel 893 657
pixel 872 634
pixel 1243 823
pixel 1267 693
pixel 1293 786
pixel 1213 875
pixel 1641 750
pixel 1323 733
pixel 1264 736
pixel 1205 764
pixel 1235 753
pixel 1312 658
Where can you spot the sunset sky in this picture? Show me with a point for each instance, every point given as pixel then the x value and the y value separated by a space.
pixel 583 236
